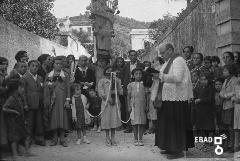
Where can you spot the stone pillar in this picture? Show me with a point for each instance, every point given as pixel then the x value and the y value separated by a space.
pixel 102 16
pixel 228 25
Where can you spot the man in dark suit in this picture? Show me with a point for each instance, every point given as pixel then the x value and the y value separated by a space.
pixel 148 74
pixel 21 56
pixel 19 71
pixel 85 75
pixel 128 68
pixel 34 102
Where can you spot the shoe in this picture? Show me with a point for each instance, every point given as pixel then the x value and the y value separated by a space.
pixel 85 140
pixel 108 142
pixel 63 143
pixel 136 142
pixel 113 143
pixel 140 143
pixel 78 142
pixel 165 152
pixel 95 128
pixel 128 131
pixel 40 142
pixel 53 143
pixel 146 132
pixel 27 154
pixel 230 150
pixel 175 156
pixel 99 130
pixel 205 148
pixel 151 131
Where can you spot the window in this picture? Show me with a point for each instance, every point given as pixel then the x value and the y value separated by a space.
pixel 89 30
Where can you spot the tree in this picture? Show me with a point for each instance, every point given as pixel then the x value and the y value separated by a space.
pixel 159 27
pixel 121 41
pixel 32 15
pixel 82 36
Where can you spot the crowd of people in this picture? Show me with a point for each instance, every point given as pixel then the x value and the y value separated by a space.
pixel 191 95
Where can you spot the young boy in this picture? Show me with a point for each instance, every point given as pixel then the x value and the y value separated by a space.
pixel 33 84
pixel 216 69
pixel 21 69
pixel 208 67
pixel 218 101
pixel 95 108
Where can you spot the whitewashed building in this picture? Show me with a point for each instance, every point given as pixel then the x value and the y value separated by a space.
pixel 139 37
pixel 79 23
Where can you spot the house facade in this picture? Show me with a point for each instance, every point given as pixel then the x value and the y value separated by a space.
pixel 79 23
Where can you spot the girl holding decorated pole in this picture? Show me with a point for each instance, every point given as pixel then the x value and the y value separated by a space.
pixel 137 99
pixel 227 92
pixel 108 89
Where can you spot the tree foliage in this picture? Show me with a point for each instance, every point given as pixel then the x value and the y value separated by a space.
pixel 121 43
pixel 131 23
pixel 82 36
pixel 89 47
pixel 160 26
pixel 85 40
pixel 32 15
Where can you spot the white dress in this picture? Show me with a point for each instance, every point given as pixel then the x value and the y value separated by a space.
pixel 237 109
pixel 110 118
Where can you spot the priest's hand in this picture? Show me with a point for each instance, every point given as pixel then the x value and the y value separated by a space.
pixel 67 104
pixel 155 76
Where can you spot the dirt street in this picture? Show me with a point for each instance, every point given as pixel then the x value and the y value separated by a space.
pixel 125 151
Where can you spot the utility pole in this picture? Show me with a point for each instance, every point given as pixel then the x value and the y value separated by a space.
pixel 102 17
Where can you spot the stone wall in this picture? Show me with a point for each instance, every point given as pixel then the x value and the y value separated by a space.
pixel 13 39
pixel 228 25
pixel 210 26
pixel 195 27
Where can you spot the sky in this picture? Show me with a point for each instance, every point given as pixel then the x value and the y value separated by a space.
pixel 142 10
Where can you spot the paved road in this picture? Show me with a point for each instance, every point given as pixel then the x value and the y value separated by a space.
pixel 125 151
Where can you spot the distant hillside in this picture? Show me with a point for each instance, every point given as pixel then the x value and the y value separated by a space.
pixel 131 23
pixel 121 43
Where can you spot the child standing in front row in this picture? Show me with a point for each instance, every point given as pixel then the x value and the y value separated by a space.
pixel 79 107
pixel 236 124
pixel 95 109
pixel 108 87
pixel 218 83
pixel 15 119
pixel 204 100
pixel 137 100
pixel 227 93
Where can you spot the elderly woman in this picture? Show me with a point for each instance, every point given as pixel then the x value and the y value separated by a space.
pixel 173 116
pixel 3 91
pixel 56 99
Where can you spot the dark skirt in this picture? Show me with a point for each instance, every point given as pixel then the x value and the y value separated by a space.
pixel 95 111
pixel 219 115
pixel 16 128
pixel 173 129
pixel 80 124
pixel 228 116
pixel 205 117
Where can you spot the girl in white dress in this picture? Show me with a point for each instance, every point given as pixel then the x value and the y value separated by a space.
pixel 137 100
pixel 109 90
pixel 236 124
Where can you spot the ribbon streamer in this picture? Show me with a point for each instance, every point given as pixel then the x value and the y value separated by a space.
pixel 117 103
